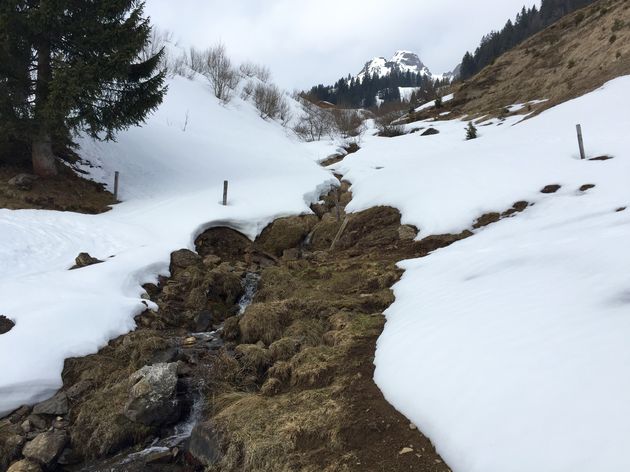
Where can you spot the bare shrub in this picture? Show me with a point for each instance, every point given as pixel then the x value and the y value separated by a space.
pixel 314 123
pixel 219 71
pixel 197 60
pixel 158 42
pixel 387 120
pixel 349 123
pixel 251 70
pixel 248 90
pixel 268 99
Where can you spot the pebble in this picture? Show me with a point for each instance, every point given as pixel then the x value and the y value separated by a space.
pixel 190 341
pixel 405 450
pixel 412 426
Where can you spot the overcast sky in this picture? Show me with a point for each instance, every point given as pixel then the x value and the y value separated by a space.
pixel 306 42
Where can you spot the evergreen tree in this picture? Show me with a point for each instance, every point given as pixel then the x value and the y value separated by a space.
pixel 73 65
pixel 528 22
pixel 471 131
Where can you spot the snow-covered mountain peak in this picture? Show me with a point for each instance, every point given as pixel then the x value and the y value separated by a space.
pixel 401 61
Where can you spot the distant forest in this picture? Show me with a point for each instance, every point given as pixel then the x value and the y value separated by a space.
pixel 528 22
pixel 353 93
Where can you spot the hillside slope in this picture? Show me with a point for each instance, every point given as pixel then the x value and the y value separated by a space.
pixel 171 178
pixel 574 56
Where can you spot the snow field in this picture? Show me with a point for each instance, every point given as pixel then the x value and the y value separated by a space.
pixel 510 349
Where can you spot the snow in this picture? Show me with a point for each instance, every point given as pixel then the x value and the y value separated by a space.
pixel 406 92
pixel 431 104
pixel 509 349
pixel 403 61
pixel 172 173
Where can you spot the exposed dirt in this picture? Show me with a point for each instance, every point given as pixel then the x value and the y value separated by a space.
pixel 66 192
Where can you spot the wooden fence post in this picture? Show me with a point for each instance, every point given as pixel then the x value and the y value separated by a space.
pixel 581 141
pixel 116 178
pixel 225 190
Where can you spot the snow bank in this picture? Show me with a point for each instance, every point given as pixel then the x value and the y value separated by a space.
pixel 510 349
pixel 172 173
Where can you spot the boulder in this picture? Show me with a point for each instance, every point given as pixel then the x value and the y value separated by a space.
pixel 38 421
pixel 183 259
pixel 204 444
pixel 203 321
pixel 551 188
pixel 46 447
pixel 430 132
pixel 6 324
pixel 25 466
pixel 23 181
pixel 10 447
pixel 152 395
pixel 84 260
pixel 57 406
pixel 285 233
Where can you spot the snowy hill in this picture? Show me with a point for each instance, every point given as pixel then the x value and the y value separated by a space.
pixel 508 348
pixel 172 171
pixel 401 61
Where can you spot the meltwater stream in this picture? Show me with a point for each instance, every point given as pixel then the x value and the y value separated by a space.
pixel 182 431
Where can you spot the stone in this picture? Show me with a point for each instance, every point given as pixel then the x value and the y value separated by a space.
pixel 204 444
pixel 10 447
pixel 84 260
pixel 78 389
pixel 430 132
pixel 159 457
pixel 285 233
pixel 38 422
pixel 189 341
pixel 551 188
pixel 46 447
pixel 152 395
pixel 57 405
pixel 6 324
pixel 23 181
pixel 407 233
pixel 203 321
pixel 211 261
pixel 405 450
pixel 412 426
pixel 25 466
pixel 183 259
pixel 68 457
pixel 60 423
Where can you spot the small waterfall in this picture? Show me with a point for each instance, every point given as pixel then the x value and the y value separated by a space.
pixel 250 286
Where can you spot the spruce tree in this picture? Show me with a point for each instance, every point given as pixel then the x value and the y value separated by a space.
pixel 73 65
pixel 471 131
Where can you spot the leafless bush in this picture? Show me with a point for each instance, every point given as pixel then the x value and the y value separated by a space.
pixel 251 70
pixel 269 100
pixel 197 60
pixel 314 123
pixel 349 123
pixel 158 42
pixel 217 67
pixel 248 90
pixel 387 121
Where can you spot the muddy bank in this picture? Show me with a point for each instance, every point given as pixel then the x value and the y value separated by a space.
pixel 19 189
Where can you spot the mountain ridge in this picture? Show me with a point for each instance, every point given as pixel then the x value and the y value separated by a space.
pixel 402 61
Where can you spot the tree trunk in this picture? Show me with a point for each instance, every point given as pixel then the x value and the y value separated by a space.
pixel 41 144
pixel 44 161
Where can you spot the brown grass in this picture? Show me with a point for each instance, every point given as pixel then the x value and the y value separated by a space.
pixel 572 57
pixel 67 192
